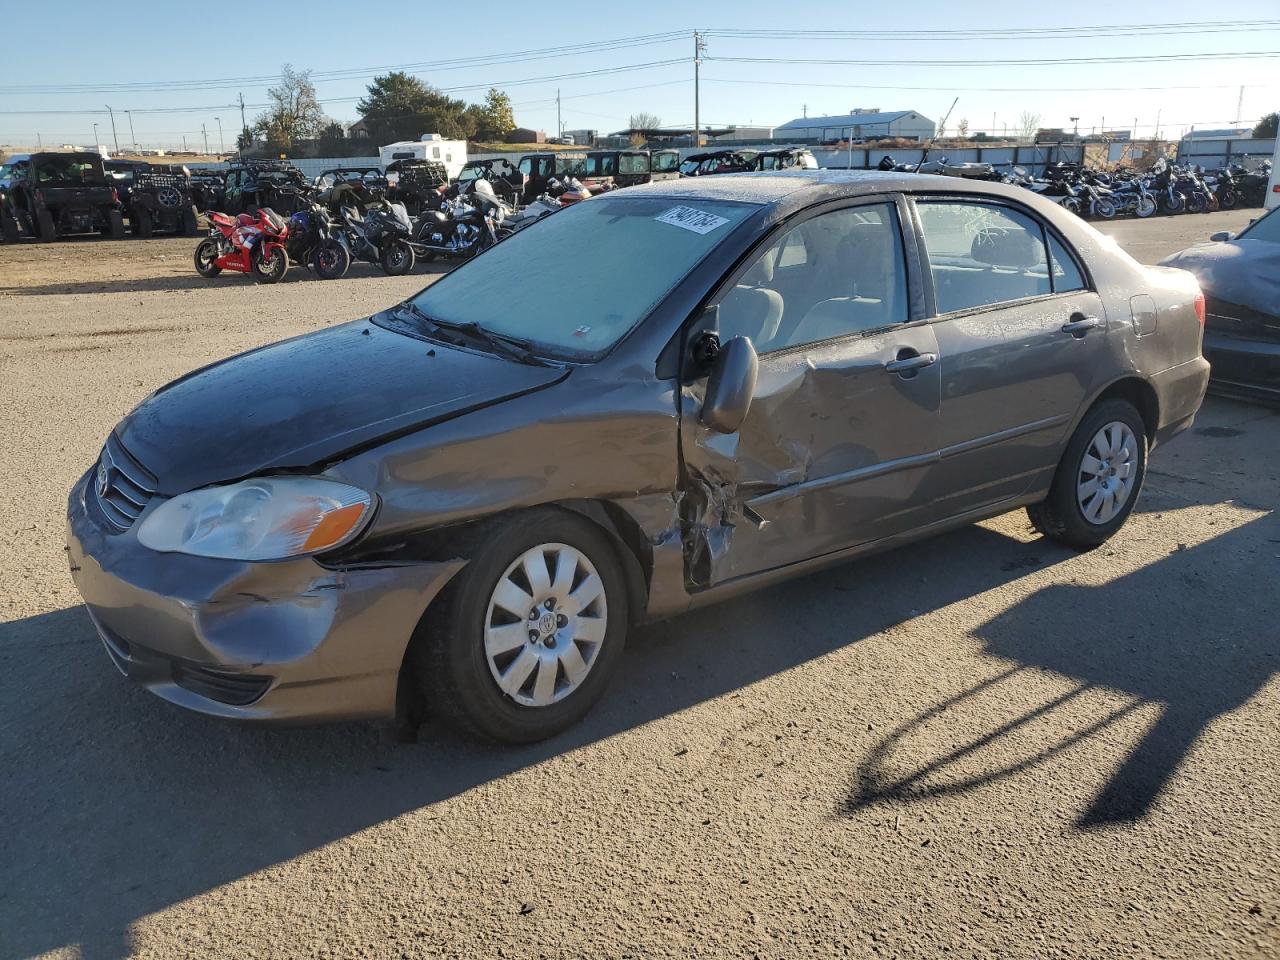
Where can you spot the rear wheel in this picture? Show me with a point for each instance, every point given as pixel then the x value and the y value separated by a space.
pixel 396 258
pixel 206 259
pixel 190 221
pixel 1098 480
pixel 524 640
pixel 8 227
pixel 46 232
pixel 1197 203
pixel 330 261
pixel 141 223
pixel 115 225
pixel 271 265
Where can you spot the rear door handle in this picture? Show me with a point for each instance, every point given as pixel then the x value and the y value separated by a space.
pixel 913 362
pixel 1080 325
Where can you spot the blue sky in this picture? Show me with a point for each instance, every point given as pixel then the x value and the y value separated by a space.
pixel 211 49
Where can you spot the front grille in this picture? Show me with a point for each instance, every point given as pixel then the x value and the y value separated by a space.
pixel 122 485
pixel 237 689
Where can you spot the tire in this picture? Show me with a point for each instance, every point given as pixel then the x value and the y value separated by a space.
pixel 396 258
pixel 269 267
pixel 330 261
pixel 1064 515
pixel 190 221
pixel 1196 203
pixel 8 227
pixel 1227 199
pixel 115 225
pixel 46 232
pixel 141 223
pixel 1145 207
pixel 1175 204
pixel 1104 209
pixel 206 254
pixel 450 657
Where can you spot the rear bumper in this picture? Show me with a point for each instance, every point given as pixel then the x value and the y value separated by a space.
pixel 1179 392
pixel 293 641
pixel 1244 368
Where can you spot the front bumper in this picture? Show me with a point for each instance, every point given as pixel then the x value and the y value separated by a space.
pixel 1245 368
pixel 287 641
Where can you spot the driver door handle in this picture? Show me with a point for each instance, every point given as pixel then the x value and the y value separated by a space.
pixel 1079 325
pixel 910 363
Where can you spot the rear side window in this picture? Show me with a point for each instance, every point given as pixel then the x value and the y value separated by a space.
pixel 1066 275
pixel 983 254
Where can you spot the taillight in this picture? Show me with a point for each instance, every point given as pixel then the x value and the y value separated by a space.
pixel 1200 307
pixel 115 195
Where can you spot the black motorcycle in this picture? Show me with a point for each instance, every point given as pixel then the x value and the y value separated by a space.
pixel 460 228
pixel 313 240
pixel 381 236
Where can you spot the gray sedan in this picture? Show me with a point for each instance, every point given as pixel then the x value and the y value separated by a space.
pixel 462 503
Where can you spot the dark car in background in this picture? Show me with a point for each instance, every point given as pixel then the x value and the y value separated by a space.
pixel 55 194
pixel 759 376
pixel 717 162
pixel 1240 276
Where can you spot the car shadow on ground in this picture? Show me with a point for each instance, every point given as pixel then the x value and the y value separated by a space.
pixel 194 281
pixel 1167 636
pixel 143 805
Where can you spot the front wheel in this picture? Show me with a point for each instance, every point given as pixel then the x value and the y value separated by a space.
pixel 1197 203
pixel 46 232
pixel 206 259
pixel 330 261
pixel 524 640
pixel 270 265
pixel 1227 199
pixel 141 223
pixel 1098 480
pixel 1104 209
pixel 1175 203
pixel 8 227
pixel 396 258
pixel 1145 207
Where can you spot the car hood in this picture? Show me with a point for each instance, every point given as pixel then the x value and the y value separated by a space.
pixel 1245 272
pixel 310 400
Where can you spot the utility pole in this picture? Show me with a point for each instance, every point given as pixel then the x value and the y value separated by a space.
pixel 132 136
pixel 244 126
pixel 113 126
pixel 1240 106
pixel 95 136
pixel 222 144
pixel 1076 121
pixel 559 123
pixel 184 143
pixel 699 47
pixel 206 139
pixel 1158 112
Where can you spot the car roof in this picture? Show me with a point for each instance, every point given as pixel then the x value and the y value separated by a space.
pixel 812 186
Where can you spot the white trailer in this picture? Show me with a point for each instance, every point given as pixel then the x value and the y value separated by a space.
pixel 1272 199
pixel 452 153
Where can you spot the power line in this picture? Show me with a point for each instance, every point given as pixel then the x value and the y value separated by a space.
pixel 1011 33
pixel 865 86
pixel 1141 58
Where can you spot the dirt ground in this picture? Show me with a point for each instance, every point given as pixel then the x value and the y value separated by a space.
pixel 979 746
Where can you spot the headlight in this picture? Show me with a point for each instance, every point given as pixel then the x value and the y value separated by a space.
pixel 266 519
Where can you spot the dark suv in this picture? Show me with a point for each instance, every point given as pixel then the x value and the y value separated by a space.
pixel 155 197
pixel 51 194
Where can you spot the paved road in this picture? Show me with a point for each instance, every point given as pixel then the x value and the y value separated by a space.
pixel 984 744
pixel 1152 240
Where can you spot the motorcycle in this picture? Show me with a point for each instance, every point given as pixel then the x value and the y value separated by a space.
pixel 312 241
pixel 461 227
pixel 247 243
pixel 382 237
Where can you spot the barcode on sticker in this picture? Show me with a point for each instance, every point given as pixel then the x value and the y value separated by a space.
pixel 699 221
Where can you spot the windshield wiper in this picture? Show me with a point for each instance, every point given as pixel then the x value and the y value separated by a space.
pixel 514 348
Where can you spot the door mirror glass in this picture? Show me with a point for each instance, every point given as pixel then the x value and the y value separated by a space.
pixel 731 386
pixel 1222 236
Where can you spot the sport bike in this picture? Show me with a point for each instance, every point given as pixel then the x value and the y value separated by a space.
pixel 247 243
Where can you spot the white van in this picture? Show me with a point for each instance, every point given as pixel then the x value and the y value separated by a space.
pixel 452 153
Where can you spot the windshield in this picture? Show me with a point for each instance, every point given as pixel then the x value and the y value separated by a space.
pixel 1268 228
pixel 575 283
pixel 633 163
pixel 602 164
pixel 70 169
pixel 472 173
pixel 688 167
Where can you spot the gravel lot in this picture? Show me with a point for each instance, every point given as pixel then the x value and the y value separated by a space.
pixel 983 745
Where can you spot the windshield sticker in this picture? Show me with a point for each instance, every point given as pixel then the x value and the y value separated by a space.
pixel 582 331
pixel 688 218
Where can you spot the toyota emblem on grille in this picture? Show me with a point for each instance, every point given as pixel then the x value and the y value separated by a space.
pixel 103 479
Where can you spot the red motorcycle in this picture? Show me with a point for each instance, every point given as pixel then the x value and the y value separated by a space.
pixel 248 243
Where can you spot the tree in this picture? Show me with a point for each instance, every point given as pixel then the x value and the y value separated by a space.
pixel 1028 124
pixel 245 139
pixel 644 121
pixel 962 128
pixel 294 113
pixel 493 119
pixel 398 106
pixel 1267 127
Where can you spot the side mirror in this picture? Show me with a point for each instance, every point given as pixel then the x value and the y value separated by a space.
pixel 1222 236
pixel 731 386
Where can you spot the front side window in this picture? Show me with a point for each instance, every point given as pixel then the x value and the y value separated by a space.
pixel 629 253
pixel 982 254
pixel 633 163
pixel 838 274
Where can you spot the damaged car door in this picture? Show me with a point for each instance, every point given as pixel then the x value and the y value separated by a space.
pixel 843 423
